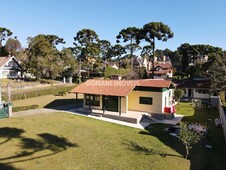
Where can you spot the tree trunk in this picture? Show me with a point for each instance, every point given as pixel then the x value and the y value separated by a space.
pixel 153 58
pixel 187 152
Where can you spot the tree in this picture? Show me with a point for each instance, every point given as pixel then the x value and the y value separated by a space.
pixel 105 47
pixel 117 51
pixel 217 74
pixel 86 44
pixel 4 33
pixel 70 66
pixel 178 94
pixel 184 52
pixel 154 30
pixel 13 46
pixel 130 35
pixel 43 58
pixel 188 137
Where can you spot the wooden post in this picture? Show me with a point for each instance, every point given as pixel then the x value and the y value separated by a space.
pixel 103 103
pixel 89 103
pixel 76 100
pixel 120 105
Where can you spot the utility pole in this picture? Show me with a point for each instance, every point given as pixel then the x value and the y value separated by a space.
pixel 9 92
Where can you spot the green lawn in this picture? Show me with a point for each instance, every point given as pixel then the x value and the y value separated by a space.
pixel 65 141
pixel 201 157
pixel 93 144
pixel 47 100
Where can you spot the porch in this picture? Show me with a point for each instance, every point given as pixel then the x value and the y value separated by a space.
pixel 131 118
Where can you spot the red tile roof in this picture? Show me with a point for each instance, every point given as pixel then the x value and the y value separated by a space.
pixel 117 87
pixel 161 83
pixel 163 65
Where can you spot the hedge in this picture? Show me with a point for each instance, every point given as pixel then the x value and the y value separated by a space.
pixel 39 92
pixel 21 108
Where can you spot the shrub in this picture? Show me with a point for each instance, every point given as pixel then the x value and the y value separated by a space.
pixel 21 108
pixel 62 93
pixel 178 94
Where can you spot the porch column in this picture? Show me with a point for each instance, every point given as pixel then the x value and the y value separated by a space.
pixel 120 105
pixel 103 103
pixel 76 101
pixel 89 103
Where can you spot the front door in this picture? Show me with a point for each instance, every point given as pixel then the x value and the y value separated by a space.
pixel 189 93
pixel 111 103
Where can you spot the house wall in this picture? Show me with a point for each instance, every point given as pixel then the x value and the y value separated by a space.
pixel 167 98
pixel 156 107
pixel 201 95
pixel 8 70
pixel 195 94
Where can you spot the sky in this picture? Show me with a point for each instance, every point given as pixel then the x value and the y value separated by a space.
pixel 192 21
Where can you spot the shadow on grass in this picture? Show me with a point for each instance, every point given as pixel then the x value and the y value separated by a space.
pixel 8 133
pixel 133 146
pixel 200 157
pixel 7 167
pixel 30 146
pixel 64 104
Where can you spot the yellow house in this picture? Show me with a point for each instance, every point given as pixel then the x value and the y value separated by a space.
pixel 151 96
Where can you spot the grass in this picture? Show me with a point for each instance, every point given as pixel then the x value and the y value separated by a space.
pixel 101 145
pixel 110 71
pixel 65 141
pixel 201 157
pixel 50 100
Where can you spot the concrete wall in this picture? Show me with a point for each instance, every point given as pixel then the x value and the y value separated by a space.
pixel 156 107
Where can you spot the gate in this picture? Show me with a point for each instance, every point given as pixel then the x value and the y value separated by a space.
pixel 4 112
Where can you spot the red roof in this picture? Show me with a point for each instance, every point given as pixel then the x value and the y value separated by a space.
pixel 161 83
pixel 117 87
pixel 163 65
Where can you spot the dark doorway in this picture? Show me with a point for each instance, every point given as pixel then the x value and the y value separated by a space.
pixel 111 103
pixel 189 93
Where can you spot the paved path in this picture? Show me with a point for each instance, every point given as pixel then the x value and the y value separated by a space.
pixel 32 112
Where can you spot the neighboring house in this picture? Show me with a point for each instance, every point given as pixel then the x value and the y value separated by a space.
pixel 141 62
pixel 147 95
pixel 195 88
pixel 9 67
pixel 163 69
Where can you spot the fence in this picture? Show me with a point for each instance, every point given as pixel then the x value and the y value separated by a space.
pixel 222 116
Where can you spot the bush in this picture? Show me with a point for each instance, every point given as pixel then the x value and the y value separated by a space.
pixel 62 93
pixel 178 94
pixel 21 108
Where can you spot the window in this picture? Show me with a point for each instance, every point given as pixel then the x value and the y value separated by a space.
pixel 94 100
pixel 146 100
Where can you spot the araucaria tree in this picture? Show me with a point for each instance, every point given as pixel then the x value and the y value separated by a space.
pixel 129 35
pixel 86 44
pixel 4 33
pixel 152 31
